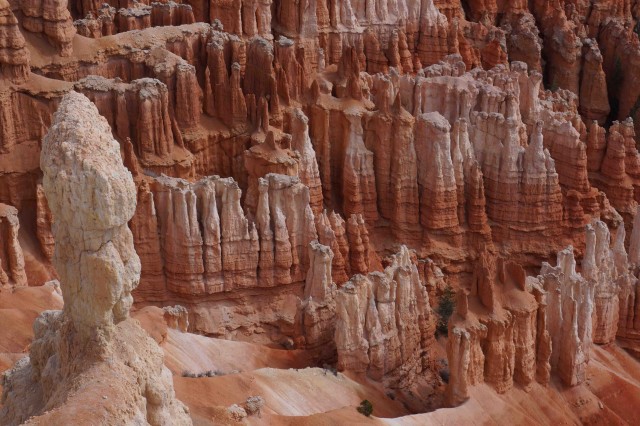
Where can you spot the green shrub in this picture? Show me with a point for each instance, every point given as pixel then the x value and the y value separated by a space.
pixel 365 408
pixel 444 375
pixel 444 310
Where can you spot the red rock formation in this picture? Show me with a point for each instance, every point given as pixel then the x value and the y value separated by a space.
pixel 556 315
pixel 318 306
pixel 359 191
pixel 144 227
pixel 436 182
pixel 619 48
pixel 628 334
pixel 613 178
pixel 259 125
pixel 137 17
pixel 598 265
pixel 43 224
pixel 271 154
pixel 435 40
pixel 11 256
pixel 390 136
pixel 523 39
pixel 74 348
pixel 141 110
pixel 385 325
pixel 332 233
pixel 523 329
pixel 570 304
pixel 14 57
pixel 171 13
pixel 98 23
pixel 594 101
pixel 210 246
pixel 308 166
pixel 51 18
pixel 562 47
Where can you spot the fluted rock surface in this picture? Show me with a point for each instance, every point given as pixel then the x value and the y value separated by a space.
pixel 384 323
pixel 600 266
pixel 318 305
pixel 11 256
pixel 99 268
pixel 616 160
pixel 14 56
pixel 139 110
pixel 51 18
pixel 629 324
pixel 570 305
pixel 44 221
pixel 502 339
pixel 211 246
pixel 540 325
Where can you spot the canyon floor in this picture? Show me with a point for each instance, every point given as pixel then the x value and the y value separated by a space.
pixel 297 393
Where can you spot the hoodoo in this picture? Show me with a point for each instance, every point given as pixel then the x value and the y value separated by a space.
pixel 92 346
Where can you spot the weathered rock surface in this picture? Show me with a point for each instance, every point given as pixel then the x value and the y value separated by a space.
pixel 318 305
pixel 51 18
pixel 547 323
pixel 498 333
pixel 11 255
pixel 629 297
pixel 384 325
pixel 91 196
pixel 14 56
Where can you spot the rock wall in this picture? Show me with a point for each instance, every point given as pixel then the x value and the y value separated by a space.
pixel 208 243
pixel 51 18
pixel 628 335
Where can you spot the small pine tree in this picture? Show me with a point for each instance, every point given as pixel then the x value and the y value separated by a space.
pixel 445 310
pixel 365 408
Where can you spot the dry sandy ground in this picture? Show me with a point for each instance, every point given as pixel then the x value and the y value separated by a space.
pixel 297 394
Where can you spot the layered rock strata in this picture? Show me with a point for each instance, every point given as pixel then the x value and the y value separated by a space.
pixel 628 334
pixel 498 331
pixel 318 305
